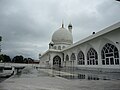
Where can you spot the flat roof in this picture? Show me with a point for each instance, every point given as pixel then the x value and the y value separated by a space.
pixel 104 31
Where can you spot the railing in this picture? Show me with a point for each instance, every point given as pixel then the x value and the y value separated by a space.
pixel 17 64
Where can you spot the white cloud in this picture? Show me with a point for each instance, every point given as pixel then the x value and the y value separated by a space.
pixel 27 25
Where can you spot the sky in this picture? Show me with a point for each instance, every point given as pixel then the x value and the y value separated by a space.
pixel 26 26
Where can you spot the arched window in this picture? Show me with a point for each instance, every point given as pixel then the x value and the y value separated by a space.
pixel 80 58
pixel 54 47
pixel 59 47
pixel 73 57
pixel 67 58
pixel 92 57
pixel 63 47
pixel 110 55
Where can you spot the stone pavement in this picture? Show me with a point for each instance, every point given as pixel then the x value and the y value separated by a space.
pixel 55 72
pixel 46 82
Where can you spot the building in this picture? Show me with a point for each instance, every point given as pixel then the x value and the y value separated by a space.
pixel 100 51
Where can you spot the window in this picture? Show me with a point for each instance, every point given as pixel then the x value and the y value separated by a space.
pixel 59 47
pixel 92 57
pixel 67 58
pixel 111 61
pixel 63 47
pixel 103 62
pixel 73 57
pixel 54 47
pixel 110 55
pixel 80 58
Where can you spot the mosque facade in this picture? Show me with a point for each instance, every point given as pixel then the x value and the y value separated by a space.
pixel 99 51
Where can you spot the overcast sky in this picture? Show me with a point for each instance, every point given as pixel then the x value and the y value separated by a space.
pixel 27 25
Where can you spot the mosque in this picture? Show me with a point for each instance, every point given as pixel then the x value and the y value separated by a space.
pixel 99 51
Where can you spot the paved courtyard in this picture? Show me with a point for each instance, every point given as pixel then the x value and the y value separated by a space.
pixel 42 79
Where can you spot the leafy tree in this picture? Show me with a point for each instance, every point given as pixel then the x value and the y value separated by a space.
pixel 28 60
pixel 25 60
pixel 21 59
pixel 18 59
pixel 5 58
pixel 1 58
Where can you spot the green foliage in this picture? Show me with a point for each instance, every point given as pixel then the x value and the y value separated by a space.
pixel 21 59
pixel 5 58
pixel 1 58
pixel 18 59
pixel 28 60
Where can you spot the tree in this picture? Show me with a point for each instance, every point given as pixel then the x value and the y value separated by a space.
pixel 25 60
pixel 18 59
pixel 1 58
pixel 5 58
pixel 28 60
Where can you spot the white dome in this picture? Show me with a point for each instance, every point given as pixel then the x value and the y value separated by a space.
pixel 62 36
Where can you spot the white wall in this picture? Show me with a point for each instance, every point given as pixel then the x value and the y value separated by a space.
pixel 97 43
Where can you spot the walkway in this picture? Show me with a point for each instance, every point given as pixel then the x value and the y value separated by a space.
pixel 33 79
pixel 56 73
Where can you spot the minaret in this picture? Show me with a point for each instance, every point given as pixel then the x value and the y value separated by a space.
pixel 70 27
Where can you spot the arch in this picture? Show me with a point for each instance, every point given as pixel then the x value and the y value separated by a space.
pixel 103 42
pixel 54 47
pixel 80 58
pixel 67 58
pixel 110 55
pixel 92 57
pixel 73 57
pixel 63 47
pixel 57 61
pixel 59 47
